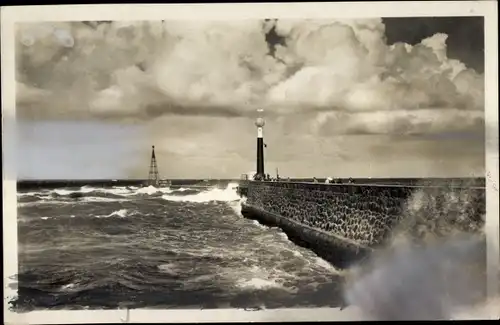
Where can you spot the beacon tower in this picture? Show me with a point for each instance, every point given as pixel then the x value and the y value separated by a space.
pixel 153 179
pixel 259 123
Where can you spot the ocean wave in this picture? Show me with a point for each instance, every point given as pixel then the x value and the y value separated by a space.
pixel 170 269
pixel 122 213
pixel 96 194
pixel 35 193
pixel 258 283
pixel 212 195
pixel 153 190
pixel 60 290
pixel 33 197
pixel 258 224
pixel 185 191
pixel 41 202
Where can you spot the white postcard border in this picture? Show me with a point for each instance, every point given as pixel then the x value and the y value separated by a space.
pixel 11 15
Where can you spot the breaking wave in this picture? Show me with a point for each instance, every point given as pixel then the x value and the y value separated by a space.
pixel 125 193
pixel 212 195
pixel 153 190
pixel 122 213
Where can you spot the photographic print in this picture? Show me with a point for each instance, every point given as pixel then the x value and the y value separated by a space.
pixel 251 164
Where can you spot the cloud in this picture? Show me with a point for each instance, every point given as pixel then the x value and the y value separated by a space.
pixel 147 69
pixel 29 95
pixel 370 87
pixel 339 75
pixel 401 122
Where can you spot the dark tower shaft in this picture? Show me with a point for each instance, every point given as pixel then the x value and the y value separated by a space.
pixel 260 156
pixel 153 170
pixel 259 123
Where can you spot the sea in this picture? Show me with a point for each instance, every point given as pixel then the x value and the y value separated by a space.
pixel 125 246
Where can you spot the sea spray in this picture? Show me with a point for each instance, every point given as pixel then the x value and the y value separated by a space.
pixel 409 282
pixel 439 212
pixel 433 265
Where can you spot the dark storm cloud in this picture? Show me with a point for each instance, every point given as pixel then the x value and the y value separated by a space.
pixel 465 35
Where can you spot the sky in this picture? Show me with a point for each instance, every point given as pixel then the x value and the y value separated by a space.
pixel 398 97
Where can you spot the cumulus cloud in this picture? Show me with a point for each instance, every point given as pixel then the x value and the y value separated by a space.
pixel 369 87
pixel 146 69
pixel 340 74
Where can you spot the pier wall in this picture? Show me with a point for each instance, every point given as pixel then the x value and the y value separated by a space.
pixel 344 222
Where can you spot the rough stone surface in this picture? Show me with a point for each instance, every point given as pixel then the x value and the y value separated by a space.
pixel 372 215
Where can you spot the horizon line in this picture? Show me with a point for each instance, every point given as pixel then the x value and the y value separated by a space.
pixel 207 178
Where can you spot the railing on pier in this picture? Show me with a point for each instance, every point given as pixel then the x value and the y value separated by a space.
pixel 429 184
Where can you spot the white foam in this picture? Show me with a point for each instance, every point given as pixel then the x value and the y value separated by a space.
pixel 122 213
pixel 28 194
pixel 169 268
pixel 324 264
pixel 63 191
pixel 283 235
pixel 236 206
pixel 28 204
pixel 258 283
pixel 147 190
pixel 118 191
pixel 42 197
pixel 87 189
pixel 258 224
pixel 68 287
pixel 84 199
pixel 220 195
pixel 95 199
pixel 261 226
pixel 153 190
